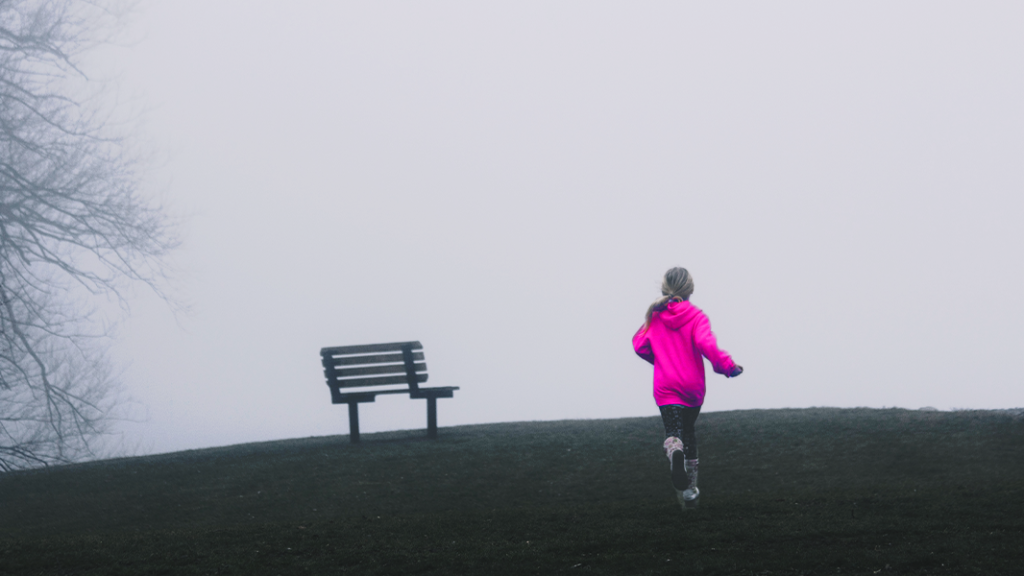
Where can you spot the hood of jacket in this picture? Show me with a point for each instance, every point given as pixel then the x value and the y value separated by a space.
pixel 678 314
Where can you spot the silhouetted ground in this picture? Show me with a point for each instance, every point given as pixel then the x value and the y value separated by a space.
pixel 814 491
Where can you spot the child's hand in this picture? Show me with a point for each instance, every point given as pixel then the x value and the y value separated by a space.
pixel 736 371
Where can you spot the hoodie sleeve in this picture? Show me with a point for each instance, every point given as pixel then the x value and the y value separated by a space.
pixel 705 341
pixel 642 345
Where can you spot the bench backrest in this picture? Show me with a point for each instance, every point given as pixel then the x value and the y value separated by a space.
pixel 374 365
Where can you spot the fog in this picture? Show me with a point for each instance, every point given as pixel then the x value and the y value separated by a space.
pixel 507 182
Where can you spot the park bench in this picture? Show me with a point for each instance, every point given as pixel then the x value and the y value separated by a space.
pixel 382 367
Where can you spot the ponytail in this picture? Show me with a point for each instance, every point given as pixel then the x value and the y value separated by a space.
pixel 677 286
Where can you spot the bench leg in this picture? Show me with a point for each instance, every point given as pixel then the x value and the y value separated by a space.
pixel 431 417
pixel 353 422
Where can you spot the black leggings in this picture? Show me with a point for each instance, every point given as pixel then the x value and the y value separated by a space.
pixel 679 420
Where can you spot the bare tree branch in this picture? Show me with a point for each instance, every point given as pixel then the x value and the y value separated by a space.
pixel 73 225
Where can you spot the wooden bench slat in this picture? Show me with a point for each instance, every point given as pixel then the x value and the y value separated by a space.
pixel 389 369
pixel 377 381
pixel 373 359
pixel 368 348
pixel 439 392
pixel 368 396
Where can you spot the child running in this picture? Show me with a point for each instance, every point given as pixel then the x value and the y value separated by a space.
pixel 674 337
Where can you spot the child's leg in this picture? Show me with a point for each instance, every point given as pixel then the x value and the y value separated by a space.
pixel 679 423
pixel 690 493
pixel 680 441
pixel 689 434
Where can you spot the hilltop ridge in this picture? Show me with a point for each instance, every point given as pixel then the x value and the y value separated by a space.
pixel 592 491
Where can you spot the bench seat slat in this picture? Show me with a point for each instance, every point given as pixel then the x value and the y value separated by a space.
pixel 373 359
pixel 377 381
pixel 368 348
pixel 369 395
pixel 439 392
pixel 389 369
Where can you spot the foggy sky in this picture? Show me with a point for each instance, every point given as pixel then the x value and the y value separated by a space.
pixel 507 182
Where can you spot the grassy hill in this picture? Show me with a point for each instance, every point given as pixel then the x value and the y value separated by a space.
pixel 815 491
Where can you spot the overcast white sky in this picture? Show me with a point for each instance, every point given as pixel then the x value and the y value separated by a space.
pixel 507 182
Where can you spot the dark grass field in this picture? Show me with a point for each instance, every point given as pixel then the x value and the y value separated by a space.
pixel 784 492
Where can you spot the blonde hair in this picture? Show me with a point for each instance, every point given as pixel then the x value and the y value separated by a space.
pixel 675 287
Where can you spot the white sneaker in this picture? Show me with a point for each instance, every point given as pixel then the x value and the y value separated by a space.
pixel 690 497
pixel 691 494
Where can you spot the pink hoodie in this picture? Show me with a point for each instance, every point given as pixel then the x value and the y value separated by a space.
pixel 674 342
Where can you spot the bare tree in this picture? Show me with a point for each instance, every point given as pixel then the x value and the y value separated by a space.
pixel 73 228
